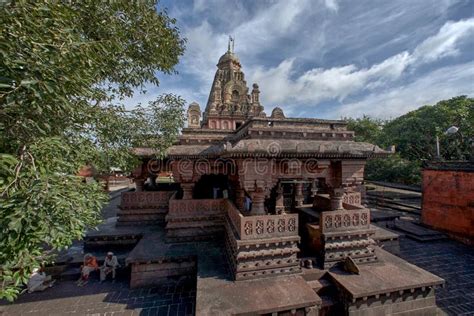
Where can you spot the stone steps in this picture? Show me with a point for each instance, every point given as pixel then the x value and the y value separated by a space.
pixel 325 289
pixel 392 204
pixel 418 232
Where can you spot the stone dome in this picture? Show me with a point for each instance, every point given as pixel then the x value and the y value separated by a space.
pixel 229 56
pixel 194 106
pixel 278 113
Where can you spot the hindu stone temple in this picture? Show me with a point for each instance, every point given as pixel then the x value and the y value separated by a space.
pixel 267 212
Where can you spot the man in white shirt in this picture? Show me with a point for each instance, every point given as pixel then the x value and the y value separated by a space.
pixel 109 266
pixel 39 281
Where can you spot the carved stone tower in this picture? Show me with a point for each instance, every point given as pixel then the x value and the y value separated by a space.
pixel 194 115
pixel 230 104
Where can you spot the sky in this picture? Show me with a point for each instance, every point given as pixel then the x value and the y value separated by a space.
pixel 328 58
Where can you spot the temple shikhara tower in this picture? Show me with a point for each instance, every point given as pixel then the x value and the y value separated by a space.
pixel 267 213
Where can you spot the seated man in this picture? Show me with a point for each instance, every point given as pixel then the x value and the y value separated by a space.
pixel 90 264
pixel 109 266
pixel 39 281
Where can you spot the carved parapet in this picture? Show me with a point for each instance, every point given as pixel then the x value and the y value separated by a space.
pixel 143 208
pixel 345 220
pixel 145 199
pixel 261 246
pixel 197 206
pixel 353 198
pixel 195 219
pixel 262 226
pixel 346 233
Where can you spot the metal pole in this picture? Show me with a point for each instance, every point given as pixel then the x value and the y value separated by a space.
pixel 437 148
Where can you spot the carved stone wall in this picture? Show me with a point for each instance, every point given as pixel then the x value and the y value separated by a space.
pixel 261 246
pixel 346 233
pixel 143 208
pixel 191 220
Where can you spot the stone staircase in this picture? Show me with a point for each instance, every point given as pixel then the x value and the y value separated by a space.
pixel 326 290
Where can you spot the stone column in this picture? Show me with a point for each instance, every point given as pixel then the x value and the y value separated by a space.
pixel 336 199
pixel 299 194
pixel 258 206
pixel 279 201
pixel 314 188
pixel 240 199
pixel 187 190
pixel 139 183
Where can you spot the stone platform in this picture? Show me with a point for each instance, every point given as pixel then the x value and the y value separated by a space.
pixel 155 262
pixel 391 286
pixel 386 239
pixel 218 294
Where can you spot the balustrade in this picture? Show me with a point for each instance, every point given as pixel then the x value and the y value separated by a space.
pixel 355 219
pixel 145 199
pixel 353 198
pixel 197 206
pixel 262 226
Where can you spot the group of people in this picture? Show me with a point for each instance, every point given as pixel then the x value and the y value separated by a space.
pixel 39 281
pixel 90 264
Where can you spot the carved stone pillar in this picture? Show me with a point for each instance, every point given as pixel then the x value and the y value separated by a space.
pixel 258 206
pixel 337 199
pixel 139 184
pixel 240 199
pixel 314 188
pixel 299 194
pixel 187 190
pixel 279 201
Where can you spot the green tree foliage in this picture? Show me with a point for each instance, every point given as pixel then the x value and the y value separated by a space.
pixel 414 133
pixel 393 169
pixel 64 67
pixel 366 129
pixel 414 136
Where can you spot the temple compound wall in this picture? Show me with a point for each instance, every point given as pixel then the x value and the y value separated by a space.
pixel 448 198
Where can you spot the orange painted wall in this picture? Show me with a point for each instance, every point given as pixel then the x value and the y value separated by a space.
pixel 448 201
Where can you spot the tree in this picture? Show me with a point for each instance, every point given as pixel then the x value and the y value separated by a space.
pixel 64 68
pixel 414 136
pixel 414 133
pixel 366 129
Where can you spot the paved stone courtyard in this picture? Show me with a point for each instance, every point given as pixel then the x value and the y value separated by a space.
pixel 448 259
pixel 105 299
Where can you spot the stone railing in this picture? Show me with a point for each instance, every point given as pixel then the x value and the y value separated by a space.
pixel 145 199
pixel 197 206
pixel 347 220
pixel 262 226
pixel 353 198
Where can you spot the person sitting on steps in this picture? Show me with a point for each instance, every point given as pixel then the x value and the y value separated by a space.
pixel 109 266
pixel 90 264
pixel 39 281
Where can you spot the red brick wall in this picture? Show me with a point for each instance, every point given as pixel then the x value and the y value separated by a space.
pixel 448 201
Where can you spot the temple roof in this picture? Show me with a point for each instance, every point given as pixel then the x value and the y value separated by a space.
pixel 229 56
pixel 274 148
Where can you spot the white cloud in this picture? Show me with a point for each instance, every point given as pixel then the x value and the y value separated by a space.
pixel 442 83
pixel 332 5
pixel 444 43
pixel 321 84
pixel 280 85
pixel 322 57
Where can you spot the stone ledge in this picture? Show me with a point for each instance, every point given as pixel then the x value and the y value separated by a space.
pixel 390 274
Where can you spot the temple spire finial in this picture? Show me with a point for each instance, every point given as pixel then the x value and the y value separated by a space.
pixel 231 39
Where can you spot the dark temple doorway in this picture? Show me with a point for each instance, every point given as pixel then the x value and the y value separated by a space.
pixel 212 186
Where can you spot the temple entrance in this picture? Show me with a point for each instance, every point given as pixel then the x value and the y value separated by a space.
pixel 212 186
